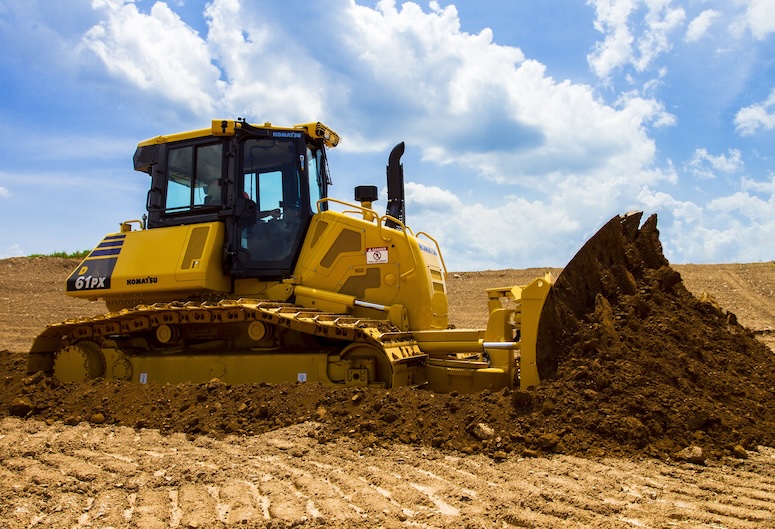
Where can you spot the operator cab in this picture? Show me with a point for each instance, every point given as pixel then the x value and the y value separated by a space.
pixel 262 182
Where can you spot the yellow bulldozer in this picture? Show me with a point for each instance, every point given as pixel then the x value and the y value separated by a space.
pixel 245 270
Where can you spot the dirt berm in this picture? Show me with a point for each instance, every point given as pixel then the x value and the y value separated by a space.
pixel 638 366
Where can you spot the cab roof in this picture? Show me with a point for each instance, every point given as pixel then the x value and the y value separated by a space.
pixel 229 127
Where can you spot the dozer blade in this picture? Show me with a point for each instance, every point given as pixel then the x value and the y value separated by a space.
pixel 604 265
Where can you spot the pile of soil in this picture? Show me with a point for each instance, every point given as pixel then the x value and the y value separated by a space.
pixel 635 365
pixel 636 359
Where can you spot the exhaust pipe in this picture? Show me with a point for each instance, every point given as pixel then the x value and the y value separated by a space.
pixel 395 182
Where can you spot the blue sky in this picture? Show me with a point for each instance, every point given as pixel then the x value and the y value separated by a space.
pixel 528 124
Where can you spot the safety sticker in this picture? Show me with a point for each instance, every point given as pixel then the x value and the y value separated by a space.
pixel 377 255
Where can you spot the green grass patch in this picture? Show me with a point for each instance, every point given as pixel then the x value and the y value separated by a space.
pixel 66 255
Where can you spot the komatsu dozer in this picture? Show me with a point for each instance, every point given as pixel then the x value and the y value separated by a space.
pixel 245 270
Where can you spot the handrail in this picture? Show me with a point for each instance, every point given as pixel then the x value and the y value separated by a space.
pixel 126 226
pixel 438 249
pixel 368 212
pixel 381 223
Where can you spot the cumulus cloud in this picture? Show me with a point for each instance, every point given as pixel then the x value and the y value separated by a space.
pixel 739 225
pixel 461 99
pixel 744 205
pixel 760 116
pixel 756 186
pixel 704 165
pixel 470 102
pixel 479 235
pixel 700 25
pixel 156 52
pixel 625 43
pixel 268 73
pixel 759 18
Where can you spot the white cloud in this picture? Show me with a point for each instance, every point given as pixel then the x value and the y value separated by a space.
pixel 704 165
pixel 660 20
pixel 4 193
pixel 469 102
pixel 481 236
pixel 686 211
pixel 744 205
pixel 760 18
pixel 268 74
pixel 431 198
pixel 700 25
pixel 462 98
pixel 751 119
pixel 622 45
pixel 739 226
pixel 758 186
pixel 156 52
pixel 616 50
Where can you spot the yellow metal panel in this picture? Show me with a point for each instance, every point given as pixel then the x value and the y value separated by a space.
pixel 178 136
pixel 463 377
pixel 223 127
pixel 185 259
pixel 532 298
pixel 230 368
pixel 347 248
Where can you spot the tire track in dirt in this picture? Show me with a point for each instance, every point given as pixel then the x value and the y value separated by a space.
pixel 751 296
pixel 88 476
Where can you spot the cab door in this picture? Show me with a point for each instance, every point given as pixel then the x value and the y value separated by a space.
pixel 273 197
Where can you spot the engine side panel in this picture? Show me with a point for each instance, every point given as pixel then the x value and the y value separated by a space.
pixel 360 258
pixel 153 265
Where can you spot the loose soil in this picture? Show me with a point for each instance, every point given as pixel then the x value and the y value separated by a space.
pixel 656 400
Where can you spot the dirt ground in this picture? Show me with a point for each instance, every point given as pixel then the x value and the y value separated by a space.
pixel 658 412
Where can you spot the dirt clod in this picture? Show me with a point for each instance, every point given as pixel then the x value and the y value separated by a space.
pixel 20 407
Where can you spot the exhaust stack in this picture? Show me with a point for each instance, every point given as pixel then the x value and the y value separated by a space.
pixel 395 182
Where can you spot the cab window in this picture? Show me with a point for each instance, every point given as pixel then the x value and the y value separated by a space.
pixel 193 174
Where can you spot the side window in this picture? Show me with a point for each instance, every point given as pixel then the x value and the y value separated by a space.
pixel 192 177
pixel 180 177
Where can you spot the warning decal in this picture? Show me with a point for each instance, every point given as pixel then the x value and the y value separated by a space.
pixel 377 255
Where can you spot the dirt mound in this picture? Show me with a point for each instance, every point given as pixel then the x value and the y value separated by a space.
pixel 638 366
pixel 637 359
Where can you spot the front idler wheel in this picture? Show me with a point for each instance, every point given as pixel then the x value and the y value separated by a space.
pixel 78 362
